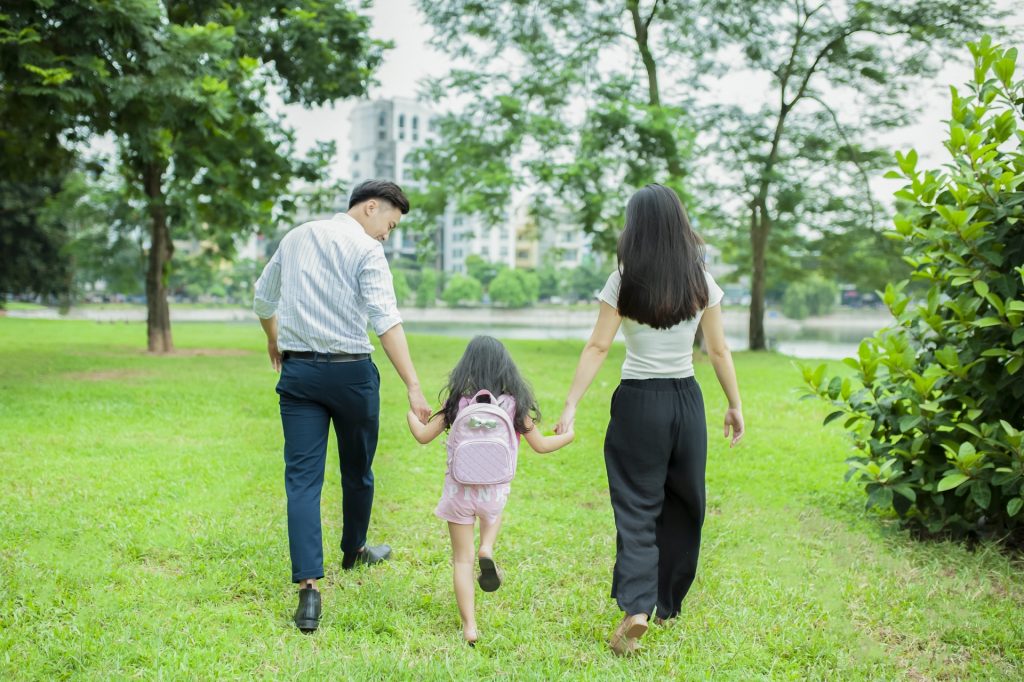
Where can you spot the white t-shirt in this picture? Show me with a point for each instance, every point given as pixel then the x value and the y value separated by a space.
pixel 658 353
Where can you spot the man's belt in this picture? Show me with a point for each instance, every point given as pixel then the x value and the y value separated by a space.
pixel 323 357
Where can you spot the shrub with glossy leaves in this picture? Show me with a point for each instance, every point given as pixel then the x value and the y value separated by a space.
pixel 935 403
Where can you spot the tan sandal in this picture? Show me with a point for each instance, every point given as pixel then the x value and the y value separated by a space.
pixel 624 640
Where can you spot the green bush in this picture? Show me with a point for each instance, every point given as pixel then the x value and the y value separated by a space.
pixel 515 288
pixel 483 271
pixel 813 296
pixel 426 292
pixel 936 402
pixel 401 285
pixel 549 282
pixel 462 290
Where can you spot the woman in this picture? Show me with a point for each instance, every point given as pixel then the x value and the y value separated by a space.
pixel 655 448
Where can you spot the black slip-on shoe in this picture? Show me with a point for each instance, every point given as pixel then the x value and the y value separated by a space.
pixel 368 557
pixel 489 578
pixel 307 616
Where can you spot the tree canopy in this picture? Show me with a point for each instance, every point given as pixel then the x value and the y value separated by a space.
pixel 183 89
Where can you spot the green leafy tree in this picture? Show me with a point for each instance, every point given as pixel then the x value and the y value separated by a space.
pixel 812 296
pixel 588 277
pixel 183 89
pixel 462 290
pixel 194 275
pixel 853 254
pixel 105 232
pixel 797 162
pixel 549 280
pixel 515 288
pixel 546 107
pixel 401 283
pixel 32 258
pixel 426 292
pixel 936 402
pixel 35 160
pixel 482 270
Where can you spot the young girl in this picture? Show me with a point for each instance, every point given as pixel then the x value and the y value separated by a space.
pixel 485 366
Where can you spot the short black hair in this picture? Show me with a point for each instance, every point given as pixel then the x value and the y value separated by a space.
pixel 380 189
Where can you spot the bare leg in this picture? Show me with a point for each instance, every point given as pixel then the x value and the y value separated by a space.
pixel 308 582
pixel 488 534
pixel 462 575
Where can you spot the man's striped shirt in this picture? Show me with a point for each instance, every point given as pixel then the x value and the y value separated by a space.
pixel 324 282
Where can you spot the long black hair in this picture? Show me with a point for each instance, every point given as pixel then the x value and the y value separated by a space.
pixel 661 260
pixel 486 364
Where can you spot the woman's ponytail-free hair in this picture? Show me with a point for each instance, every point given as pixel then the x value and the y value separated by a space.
pixel 661 261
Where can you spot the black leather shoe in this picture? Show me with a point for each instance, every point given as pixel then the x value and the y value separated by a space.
pixel 307 616
pixel 368 557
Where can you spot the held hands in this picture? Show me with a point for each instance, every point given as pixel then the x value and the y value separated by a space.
pixel 418 405
pixel 569 433
pixel 565 424
pixel 734 419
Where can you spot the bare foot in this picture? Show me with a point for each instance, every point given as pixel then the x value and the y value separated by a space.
pixel 469 634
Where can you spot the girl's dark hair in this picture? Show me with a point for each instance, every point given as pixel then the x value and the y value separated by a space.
pixel 486 364
pixel 661 260
pixel 380 189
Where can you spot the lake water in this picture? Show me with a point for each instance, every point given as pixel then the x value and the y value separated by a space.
pixel 834 342
pixel 832 338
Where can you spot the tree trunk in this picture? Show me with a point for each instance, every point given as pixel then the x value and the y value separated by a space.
pixel 640 28
pixel 158 315
pixel 758 240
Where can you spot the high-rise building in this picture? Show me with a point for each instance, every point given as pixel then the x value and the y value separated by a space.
pixel 561 240
pixel 382 136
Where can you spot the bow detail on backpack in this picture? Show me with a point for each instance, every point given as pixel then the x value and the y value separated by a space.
pixel 477 423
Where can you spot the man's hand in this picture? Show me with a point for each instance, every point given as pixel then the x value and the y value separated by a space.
pixel 269 325
pixel 418 405
pixel 275 355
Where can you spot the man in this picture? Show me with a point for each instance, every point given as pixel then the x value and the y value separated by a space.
pixel 314 298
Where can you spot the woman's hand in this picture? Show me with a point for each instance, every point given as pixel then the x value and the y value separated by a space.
pixel 565 423
pixel 734 419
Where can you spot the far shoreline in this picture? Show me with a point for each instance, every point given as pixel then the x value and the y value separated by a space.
pixel 735 318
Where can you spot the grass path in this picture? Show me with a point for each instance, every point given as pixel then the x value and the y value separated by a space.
pixel 142 534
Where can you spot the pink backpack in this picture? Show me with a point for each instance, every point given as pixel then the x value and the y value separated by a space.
pixel 482 441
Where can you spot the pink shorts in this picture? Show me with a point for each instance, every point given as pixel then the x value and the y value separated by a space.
pixel 464 503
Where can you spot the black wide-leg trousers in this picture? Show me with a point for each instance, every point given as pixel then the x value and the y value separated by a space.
pixel 655 451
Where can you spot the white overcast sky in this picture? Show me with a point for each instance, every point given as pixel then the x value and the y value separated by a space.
pixel 412 59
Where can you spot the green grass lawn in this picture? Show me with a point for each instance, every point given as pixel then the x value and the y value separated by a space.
pixel 142 534
pixel 19 305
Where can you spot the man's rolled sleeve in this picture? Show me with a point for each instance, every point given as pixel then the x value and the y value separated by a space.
pixel 268 288
pixel 378 291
